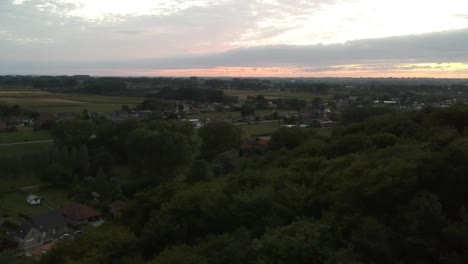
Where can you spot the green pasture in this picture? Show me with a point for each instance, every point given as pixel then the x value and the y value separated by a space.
pixel 20 149
pixel 273 94
pixel 24 134
pixel 259 129
pixel 43 101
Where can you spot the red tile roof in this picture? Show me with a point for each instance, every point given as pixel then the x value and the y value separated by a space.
pixel 79 211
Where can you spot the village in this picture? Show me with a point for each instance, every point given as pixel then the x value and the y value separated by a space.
pixel 39 233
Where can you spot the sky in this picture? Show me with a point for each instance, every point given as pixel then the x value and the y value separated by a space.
pixel 250 38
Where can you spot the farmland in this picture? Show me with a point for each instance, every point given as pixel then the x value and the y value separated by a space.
pixel 273 94
pixel 24 134
pixel 268 128
pixel 43 101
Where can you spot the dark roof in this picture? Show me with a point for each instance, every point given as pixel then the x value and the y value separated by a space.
pixel 24 229
pixel 79 211
pixel 50 220
pixel 43 222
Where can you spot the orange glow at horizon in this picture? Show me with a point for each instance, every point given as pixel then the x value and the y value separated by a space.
pixel 426 70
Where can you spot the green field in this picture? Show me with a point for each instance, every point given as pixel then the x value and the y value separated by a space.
pixel 273 94
pixel 19 149
pixel 24 134
pixel 43 101
pixel 259 129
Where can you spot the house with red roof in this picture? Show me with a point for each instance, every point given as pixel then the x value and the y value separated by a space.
pixel 78 214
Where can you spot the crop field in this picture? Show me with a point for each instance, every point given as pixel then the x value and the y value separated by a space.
pixel 272 94
pixel 259 129
pixel 58 102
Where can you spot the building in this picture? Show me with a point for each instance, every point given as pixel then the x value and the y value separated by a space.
pixel 78 214
pixel 41 228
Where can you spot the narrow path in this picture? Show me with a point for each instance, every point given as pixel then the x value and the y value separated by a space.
pixel 27 142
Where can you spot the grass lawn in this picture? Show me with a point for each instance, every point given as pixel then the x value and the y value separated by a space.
pixel 56 102
pixel 259 129
pixel 12 150
pixel 14 204
pixel 13 183
pixel 24 134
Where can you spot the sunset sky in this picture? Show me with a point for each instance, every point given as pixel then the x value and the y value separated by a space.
pixel 261 38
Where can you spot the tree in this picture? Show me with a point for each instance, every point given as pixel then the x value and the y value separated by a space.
pixel 218 137
pixel 11 257
pixel 303 241
pixel 104 244
pixel 103 186
pixel 456 116
pixel 72 132
pixel 158 156
pixel 287 138
pixel 225 162
pixel 57 174
pixel 200 171
pixel 83 160
pixel 247 110
pixel 384 140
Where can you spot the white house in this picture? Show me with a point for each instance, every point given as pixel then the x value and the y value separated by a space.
pixel 33 199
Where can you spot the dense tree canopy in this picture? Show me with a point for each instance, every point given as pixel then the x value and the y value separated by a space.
pixel 218 137
pixel 390 190
pixel 158 155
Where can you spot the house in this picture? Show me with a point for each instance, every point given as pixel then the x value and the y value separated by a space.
pixel 78 214
pixel 115 208
pixel 33 199
pixel 52 223
pixel 28 236
pixel 40 228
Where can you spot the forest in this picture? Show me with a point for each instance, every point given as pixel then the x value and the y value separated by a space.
pixel 384 188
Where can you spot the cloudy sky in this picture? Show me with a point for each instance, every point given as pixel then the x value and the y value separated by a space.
pixel 352 38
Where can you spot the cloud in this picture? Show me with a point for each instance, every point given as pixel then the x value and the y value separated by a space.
pixel 130 32
pixel 449 46
pixel 68 36
pixel 435 52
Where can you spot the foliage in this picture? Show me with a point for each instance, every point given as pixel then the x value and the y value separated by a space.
pixel 158 156
pixel 101 245
pixel 387 190
pixel 287 138
pixel 360 114
pixel 72 132
pixel 218 137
